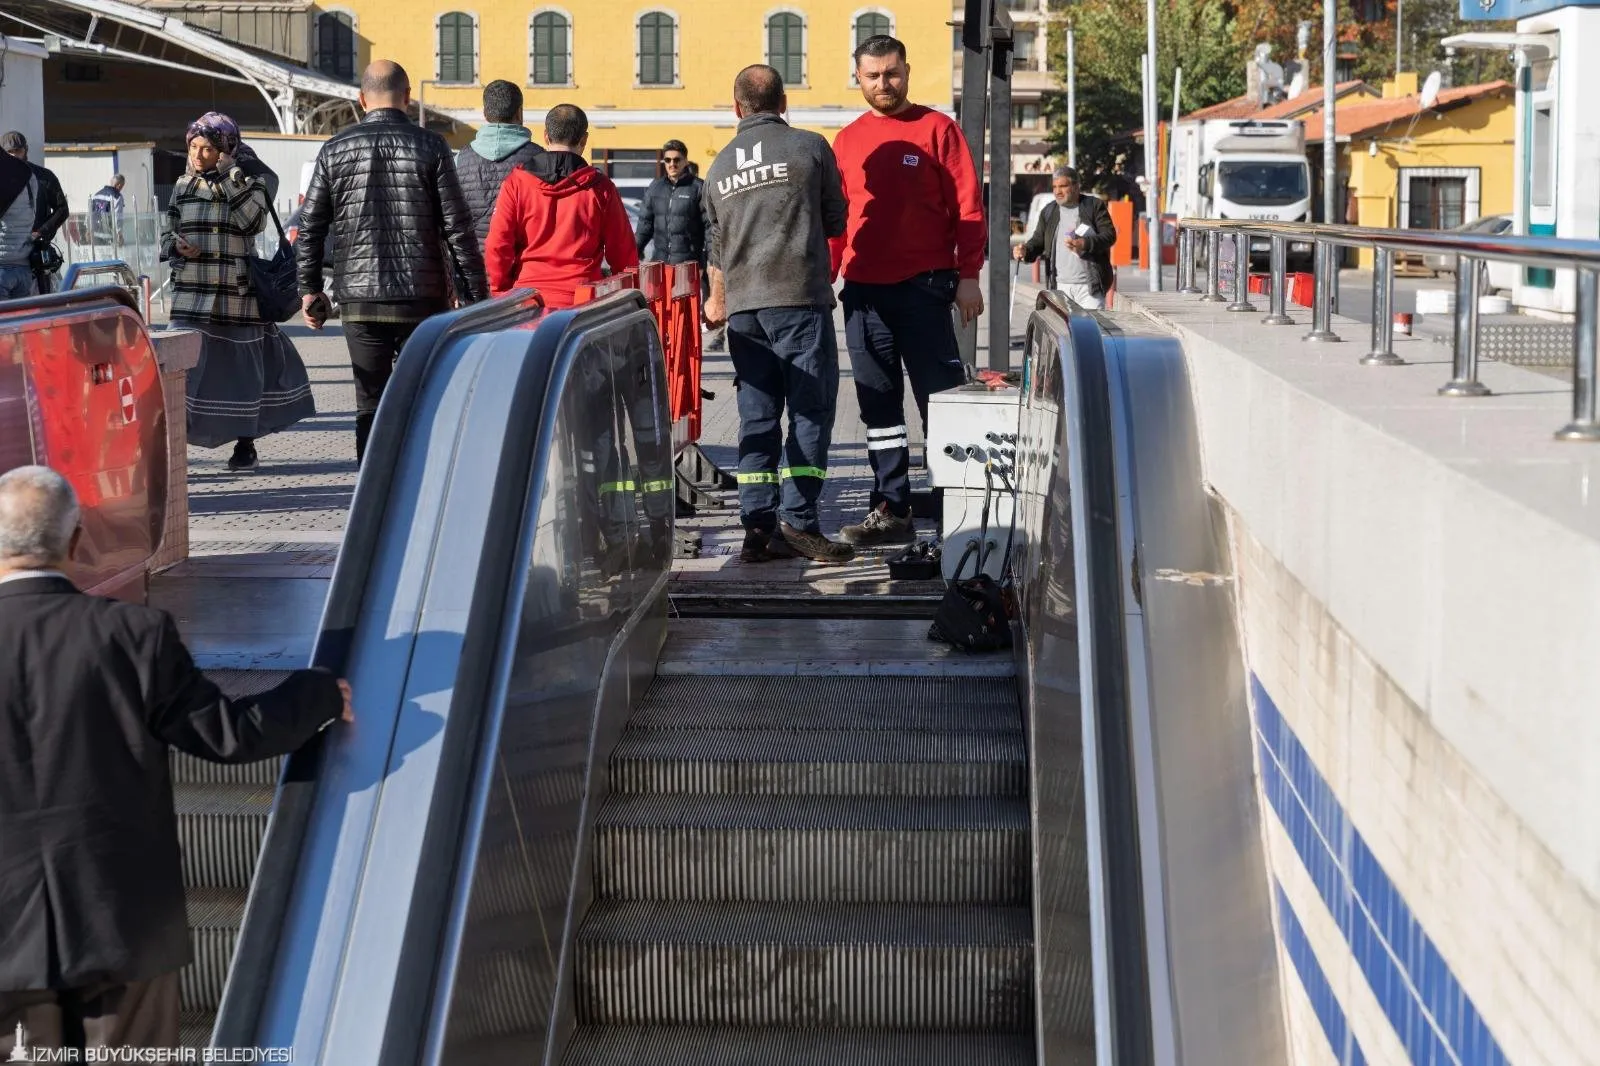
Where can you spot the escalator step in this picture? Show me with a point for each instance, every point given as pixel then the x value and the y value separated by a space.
pixel 974 704
pixel 220 828
pixel 215 915
pixel 816 964
pixel 818 762
pixel 188 770
pixel 821 848
pixel 664 1045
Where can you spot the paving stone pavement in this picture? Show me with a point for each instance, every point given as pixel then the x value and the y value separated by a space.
pixel 299 494
pixel 297 498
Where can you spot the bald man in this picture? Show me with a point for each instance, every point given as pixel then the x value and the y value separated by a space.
pixel 386 191
pixel 93 692
pixel 772 200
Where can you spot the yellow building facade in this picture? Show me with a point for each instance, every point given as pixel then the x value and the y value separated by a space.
pixel 1433 168
pixel 644 71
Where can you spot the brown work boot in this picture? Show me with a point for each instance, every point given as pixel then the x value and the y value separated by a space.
pixel 763 547
pixel 881 526
pixel 815 546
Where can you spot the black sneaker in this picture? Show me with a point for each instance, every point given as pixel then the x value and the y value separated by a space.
pixel 816 547
pixel 763 547
pixel 242 458
pixel 881 526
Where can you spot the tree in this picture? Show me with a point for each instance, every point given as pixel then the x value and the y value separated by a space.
pixel 1197 35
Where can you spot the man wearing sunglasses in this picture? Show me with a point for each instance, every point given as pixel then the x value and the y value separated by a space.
pixel 672 217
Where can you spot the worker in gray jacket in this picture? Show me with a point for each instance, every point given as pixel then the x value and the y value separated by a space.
pixel 772 200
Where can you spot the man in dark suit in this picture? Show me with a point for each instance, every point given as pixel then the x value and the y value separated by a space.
pixel 1074 238
pixel 92 693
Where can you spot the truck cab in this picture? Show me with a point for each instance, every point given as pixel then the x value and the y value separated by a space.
pixel 1244 169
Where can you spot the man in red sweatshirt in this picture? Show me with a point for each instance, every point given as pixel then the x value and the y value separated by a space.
pixel 913 248
pixel 558 219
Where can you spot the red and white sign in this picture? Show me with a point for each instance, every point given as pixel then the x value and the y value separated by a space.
pixel 130 413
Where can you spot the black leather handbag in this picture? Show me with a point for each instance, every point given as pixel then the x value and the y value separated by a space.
pixel 277 287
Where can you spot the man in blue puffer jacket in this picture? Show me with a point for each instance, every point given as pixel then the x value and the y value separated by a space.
pixel 503 143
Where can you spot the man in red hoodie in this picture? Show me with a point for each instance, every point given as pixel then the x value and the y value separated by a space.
pixel 913 248
pixel 558 219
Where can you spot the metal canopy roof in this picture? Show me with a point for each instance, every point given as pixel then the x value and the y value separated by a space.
pixel 301 101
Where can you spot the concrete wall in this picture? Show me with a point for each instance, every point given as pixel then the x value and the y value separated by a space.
pixel 1416 582
pixel 22 102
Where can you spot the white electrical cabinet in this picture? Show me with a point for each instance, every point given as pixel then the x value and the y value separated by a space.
pixel 972 429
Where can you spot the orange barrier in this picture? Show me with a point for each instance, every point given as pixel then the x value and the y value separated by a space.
pixel 682 341
pixel 673 293
pixel 1302 287
pixel 1122 218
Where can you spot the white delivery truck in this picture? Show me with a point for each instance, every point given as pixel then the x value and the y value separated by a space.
pixel 1244 169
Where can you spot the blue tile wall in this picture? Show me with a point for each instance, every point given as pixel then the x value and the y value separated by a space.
pixel 1323 1000
pixel 1424 1002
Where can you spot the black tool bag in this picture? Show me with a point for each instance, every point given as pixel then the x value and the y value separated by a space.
pixel 276 286
pixel 973 616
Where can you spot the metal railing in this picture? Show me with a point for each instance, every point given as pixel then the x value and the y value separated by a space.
pixel 1472 252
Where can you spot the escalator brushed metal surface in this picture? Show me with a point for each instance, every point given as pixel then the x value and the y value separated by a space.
pixel 222 815
pixel 806 857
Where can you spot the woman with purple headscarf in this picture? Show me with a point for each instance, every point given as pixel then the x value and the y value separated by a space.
pixel 250 381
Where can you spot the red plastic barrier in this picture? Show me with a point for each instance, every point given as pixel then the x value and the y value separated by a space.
pixel 1302 287
pixel 682 340
pixel 673 293
pixel 80 391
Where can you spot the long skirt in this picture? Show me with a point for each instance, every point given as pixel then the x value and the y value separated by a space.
pixel 250 382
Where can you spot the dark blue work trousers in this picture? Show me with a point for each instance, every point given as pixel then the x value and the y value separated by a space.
pixel 907 325
pixel 784 356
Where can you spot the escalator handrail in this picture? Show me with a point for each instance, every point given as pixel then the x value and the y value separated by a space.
pixel 69 300
pixel 520 481
pixel 250 972
pixel 1102 576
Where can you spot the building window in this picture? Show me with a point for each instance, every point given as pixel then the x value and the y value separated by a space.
pixel 873 24
pixel 1438 197
pixel 658 49
pixel 550 59
pixel 1022 43
pixel 786 47
pixel 336 45
pixel 1025 116
pixel 71 71
pixel 458 49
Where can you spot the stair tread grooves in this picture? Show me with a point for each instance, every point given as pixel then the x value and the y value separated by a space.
pixel 730 812
pixel 214 907
pixel 704 1045
pixel 900 925
pixel 223 799
pixel 832 745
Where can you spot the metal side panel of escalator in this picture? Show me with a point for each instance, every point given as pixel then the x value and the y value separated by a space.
pixel 1136 708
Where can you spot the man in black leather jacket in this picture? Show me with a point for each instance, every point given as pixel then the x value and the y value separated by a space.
pixel 386 191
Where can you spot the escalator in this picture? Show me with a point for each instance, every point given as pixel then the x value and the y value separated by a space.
pixel 568 827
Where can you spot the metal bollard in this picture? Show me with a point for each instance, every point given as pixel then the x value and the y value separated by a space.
pixel 1382 353
pixel 1278 284
pixel 1241 273
pixel 1322 304
pixel 1186 262
pixel 1464 371
pixel 1585 424
pixel 1213 278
